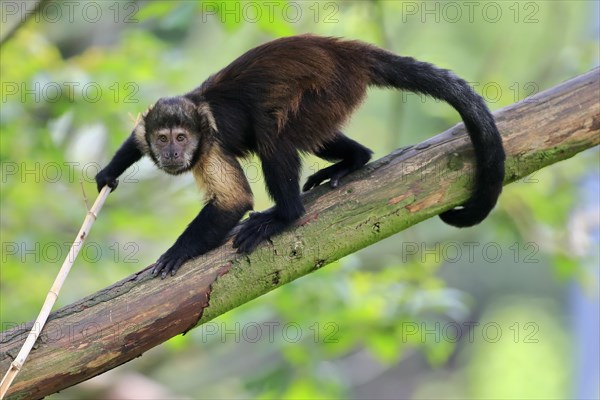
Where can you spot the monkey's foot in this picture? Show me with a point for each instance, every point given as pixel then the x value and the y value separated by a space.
pixel 170 261
pixel 334 173
pixel 258 227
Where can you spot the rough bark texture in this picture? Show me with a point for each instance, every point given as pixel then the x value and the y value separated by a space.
pixel 121 322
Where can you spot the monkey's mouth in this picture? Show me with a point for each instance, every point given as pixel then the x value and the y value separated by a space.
pixel 173 168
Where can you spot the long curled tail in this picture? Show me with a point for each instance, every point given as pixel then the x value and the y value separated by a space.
pixel 406 73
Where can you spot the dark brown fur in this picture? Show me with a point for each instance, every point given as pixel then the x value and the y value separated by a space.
pixel 323 78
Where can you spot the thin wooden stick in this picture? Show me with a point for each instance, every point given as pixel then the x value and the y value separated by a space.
pixel 40 321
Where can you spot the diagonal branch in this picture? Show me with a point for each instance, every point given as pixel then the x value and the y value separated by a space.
pixel 29 13
pixel 121 322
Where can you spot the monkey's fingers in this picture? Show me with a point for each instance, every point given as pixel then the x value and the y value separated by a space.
pixel 334 180
pixel 255 230
pixel 113 185
pixel 157 267
pixel 247 240
pixel 317 178
pixel 334 173
pixel 166 264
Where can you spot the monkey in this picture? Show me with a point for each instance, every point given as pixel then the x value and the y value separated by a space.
pixel 280 100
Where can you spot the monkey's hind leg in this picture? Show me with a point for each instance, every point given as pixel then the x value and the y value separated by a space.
pixel 282 175
pixel 353 156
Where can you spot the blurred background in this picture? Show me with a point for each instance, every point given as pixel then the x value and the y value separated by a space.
pixel 505 310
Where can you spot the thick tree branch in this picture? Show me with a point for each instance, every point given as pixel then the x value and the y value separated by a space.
pixel 121 322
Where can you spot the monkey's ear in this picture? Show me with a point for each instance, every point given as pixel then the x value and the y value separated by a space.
pixel 204 111
pixel 139 131
pixel 142 117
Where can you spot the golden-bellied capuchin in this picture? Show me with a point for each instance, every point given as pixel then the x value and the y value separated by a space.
pixel 285 97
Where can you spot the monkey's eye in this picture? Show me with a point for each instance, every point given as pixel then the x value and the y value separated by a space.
pixel 181 137
pixel 163 138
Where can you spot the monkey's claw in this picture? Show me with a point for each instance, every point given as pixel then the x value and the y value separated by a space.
pixel 168 262
pixel 334 173
pixel 259 227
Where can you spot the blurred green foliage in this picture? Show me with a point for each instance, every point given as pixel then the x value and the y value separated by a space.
pixel 376 324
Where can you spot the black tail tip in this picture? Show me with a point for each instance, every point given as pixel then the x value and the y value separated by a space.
pixel 464 217
pixel 476 209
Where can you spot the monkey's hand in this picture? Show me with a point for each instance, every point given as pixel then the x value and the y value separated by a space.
pixel 334 173
pixel 259 227
pixel 171 261
pixel 104 178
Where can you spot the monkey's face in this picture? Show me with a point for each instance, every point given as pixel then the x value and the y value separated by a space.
pixel 173 134
pixel 174 149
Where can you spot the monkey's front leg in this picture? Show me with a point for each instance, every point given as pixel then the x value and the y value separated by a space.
pixel 207 231
pixel 126 156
